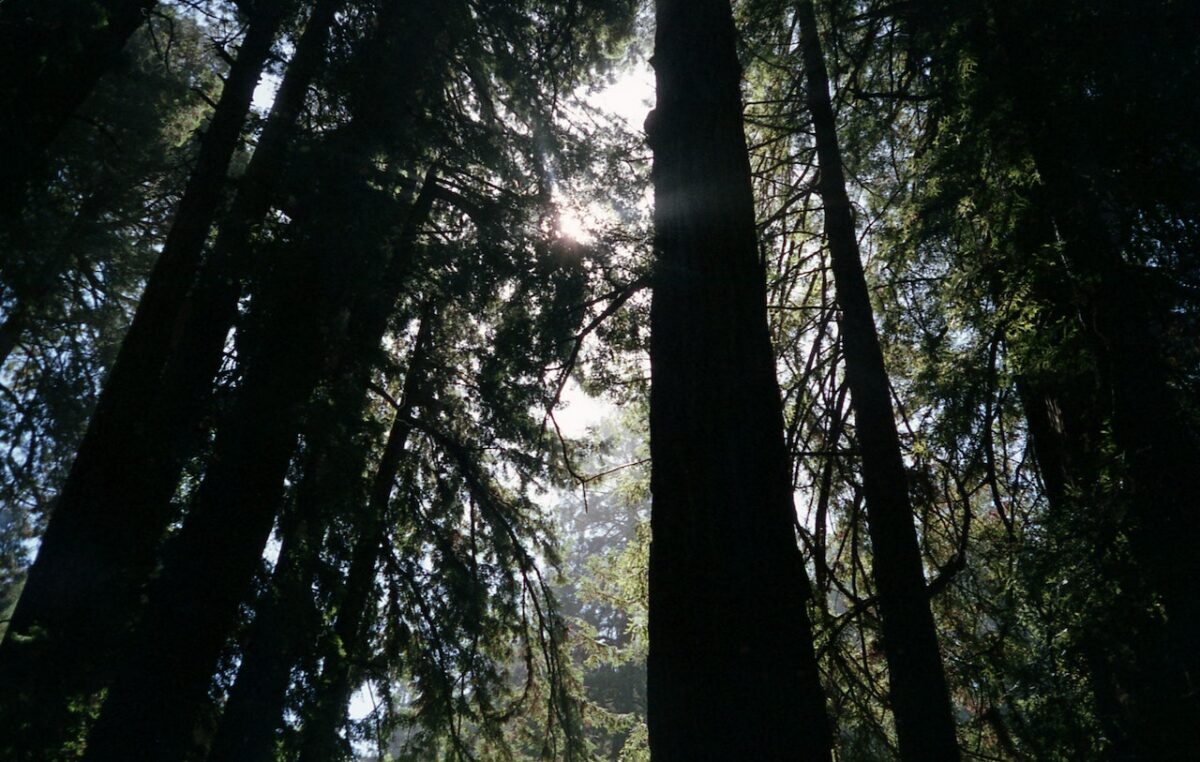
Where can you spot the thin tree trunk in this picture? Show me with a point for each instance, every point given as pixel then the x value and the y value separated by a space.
pixel 255 707
pixel 731 670
pixel 916 679
pixel 100 543
pixel 52 54
pixel 283 625
pixel 351 629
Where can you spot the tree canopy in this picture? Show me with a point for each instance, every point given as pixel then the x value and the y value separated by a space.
pixel 371 387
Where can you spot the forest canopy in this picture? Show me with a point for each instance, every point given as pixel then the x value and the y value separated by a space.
pixel 599 380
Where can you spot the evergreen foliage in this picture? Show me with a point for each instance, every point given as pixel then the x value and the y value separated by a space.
pixel 297 308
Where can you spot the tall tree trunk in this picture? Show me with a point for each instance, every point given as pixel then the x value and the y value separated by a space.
pixel 255 706
pixel 1156 447
pixel 916 679
pixel 100 543
pixel 192 610
pixel 351 629
pixel 205 316
pixel 52 54
pixel 283 625
pixel 731 670
pixel 1062 435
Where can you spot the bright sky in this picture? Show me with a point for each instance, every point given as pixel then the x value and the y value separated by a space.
pixel 630 96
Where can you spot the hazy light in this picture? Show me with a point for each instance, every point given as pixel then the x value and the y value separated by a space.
pixel 630 96
pixel 578 411
pixel 571 225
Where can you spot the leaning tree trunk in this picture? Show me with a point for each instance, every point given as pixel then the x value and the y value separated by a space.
pixel 399 44
pixel 100 543
pixel 732 671
pixel 193 605
pixel 351 629
pixel 283 620
pixel 52 54
pixel 282 628
pixel 916 679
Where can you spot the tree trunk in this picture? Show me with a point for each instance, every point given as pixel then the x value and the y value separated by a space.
pixel 255 707
pixel 205 316
pixel 731 669
pixel 193 606
pixel 351 629
pixel 1156 448
pixel 100 543
pixel 1150 423
pixel 283 624
pixel 916 680
pixel 52 54
pixel 1062 437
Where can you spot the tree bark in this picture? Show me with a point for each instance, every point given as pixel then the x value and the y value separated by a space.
pixel 916 678
pixel 192 609
pixel 52 54
pixel 1150 428
pixel 1162 520
pixel 351 629
pixel 255 707
pixel 283 624
pixel 100 542
pixel 731 670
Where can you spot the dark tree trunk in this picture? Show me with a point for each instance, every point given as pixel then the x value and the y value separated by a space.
pixel 916 680
pixel 731 670
pixel 351 629
pixel 100 543
pixel 1161 693
pixel 52 54
pixel 1062 437
pixel 283 624
pixel 255 707
pixel 192 610
pixel 1156 443
pixel 205 316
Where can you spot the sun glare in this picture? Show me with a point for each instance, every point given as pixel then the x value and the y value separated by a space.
pixel 572 226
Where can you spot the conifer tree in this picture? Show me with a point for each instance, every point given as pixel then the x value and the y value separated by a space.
pixel 101 540
pixel 917 684
pixel 732 672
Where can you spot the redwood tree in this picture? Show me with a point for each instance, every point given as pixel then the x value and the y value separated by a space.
pixel 732 672
pixel 917 682
pixel 101 540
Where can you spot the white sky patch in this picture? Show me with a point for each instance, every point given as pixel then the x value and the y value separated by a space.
pixel 571 225
pixel 578 410
pixel 264 93
pixel 630 96
pixel 362 703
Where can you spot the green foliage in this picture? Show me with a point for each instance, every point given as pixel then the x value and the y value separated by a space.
pixel 509 610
